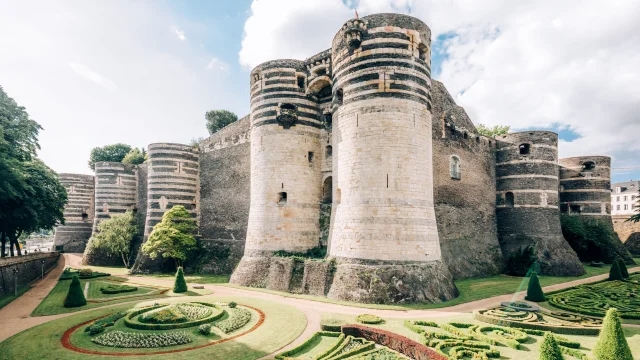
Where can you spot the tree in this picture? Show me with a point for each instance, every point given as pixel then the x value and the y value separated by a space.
pixel 116 234
pixel 135 157
pixel 173 236
pixel 217 119
pixel 623 269
pixel 549 349
pixel 494 131
pixel 612 344
pixel 75 296
pixel 614 272
pixel 180 285
pixel 113 153
pixel 534 291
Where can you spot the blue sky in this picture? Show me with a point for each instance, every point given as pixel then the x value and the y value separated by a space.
pixel 96 72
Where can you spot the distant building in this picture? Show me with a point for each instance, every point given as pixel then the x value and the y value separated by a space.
pixel 624 197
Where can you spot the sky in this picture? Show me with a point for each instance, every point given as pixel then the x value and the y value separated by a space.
pixel 94 73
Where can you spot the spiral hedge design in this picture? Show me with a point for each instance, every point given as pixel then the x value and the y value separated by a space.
pixel 140 320
pixel 596 299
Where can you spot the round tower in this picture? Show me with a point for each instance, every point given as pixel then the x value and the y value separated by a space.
pixel 383 233
pixel 585 186
pixel 78 213
pixel 286 182
pixel 527 201
pixel 115 193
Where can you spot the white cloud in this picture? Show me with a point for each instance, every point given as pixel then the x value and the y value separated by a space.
pixel 91 75
pixel 179 33
pixel 217 64
pixel 524 64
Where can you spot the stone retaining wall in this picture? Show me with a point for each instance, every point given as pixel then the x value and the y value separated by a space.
pixel 29 269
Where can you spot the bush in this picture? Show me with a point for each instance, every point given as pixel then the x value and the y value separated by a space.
pixel 232 305
pixel 534 291
pixel 368 319
pixel 95 329
pixel 85 272
pixel 614 272
pixel 75 296
pixel 104 322
pixel 623 269
pixel 521 261
pixel 205 329
pixel 117 289
pixel 549 350
pixel 238 317
pixel 593 239
pixel 612 344
pixel 180 284
pixel 123 339
pixel 332 324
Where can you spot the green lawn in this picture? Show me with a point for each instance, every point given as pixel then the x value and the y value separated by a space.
pixel 53 303
pixel 5 300
pixel 193 279
pixel 282 325
pixel 95 293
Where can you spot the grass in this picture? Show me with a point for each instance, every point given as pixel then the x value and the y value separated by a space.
pixel 5 300
pixel 193 279
pixel 52 304
pixel 95 293
pixel 282 325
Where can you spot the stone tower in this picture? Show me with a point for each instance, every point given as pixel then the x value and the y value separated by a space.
pixel 527 201
pixel 78 213
pixel 285 168
pixel 383 234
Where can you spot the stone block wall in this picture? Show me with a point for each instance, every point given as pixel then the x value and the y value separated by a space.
pixel 29 269
pixel 585 186
pixel 78 213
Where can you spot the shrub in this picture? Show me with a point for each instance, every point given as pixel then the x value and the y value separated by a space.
pixel 549 350
pixel 368 319
pixel 180 284
pixel 167 315
pixel 85 272
pixel 238 317
pixel 105 322
pixel 534 291
pixel 95 329
pixel 331 324
pixel 205 329
pixel 75 296
pixel 122 339
pixel 117 289
pixel 614 272
pixel 521 261
pixel 232 304
pixel 612 344
pixel 623 269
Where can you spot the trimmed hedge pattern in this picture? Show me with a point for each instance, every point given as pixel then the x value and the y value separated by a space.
pixel 399 343
pixel 332 324
pixel 238 317
pixel 368 319
pixel 308 343
pixel 68 274
pixel 133 323
pixel 595 299
pixel 117 289
pixel 123 339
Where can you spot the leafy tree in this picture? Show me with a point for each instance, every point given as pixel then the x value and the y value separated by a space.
pixel 180 285
pixel 135 157
pixel 614 272
pixel 217 119
pixel 494 131
pixel 549 349
pixel 113 152
pixel 116 234
pixel 612 344
pixel 534 291
pixel 173 236
pixel 75 296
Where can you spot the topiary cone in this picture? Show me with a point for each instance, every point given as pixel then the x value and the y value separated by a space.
pixel 534 291
pixel 180 284
pixel 612 344
pixel 614 273
pixel 623 269
pixel 75 296
pixel 549 350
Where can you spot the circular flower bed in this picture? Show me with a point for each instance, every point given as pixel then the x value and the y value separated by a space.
pixel 175 316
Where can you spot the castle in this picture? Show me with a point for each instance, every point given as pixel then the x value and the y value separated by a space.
pixel 356 150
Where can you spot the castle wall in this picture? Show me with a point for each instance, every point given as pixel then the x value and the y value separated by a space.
pixel 78 213
pixel 465 206
pixel 625 229
pixel 527 201
pixel 225 195
pixel 585 186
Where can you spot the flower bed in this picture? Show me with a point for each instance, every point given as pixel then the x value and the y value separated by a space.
pixel 238 317
pixel 166 317
pixel 122 339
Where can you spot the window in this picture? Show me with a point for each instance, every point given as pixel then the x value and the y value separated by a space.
pixel 328 121
pixel 464 135
pixel 339 96
pixel 625 198
pixel 282 198
pixel 509 199
pixel 576 209
pixel 588 166
pixel 564 208
pixel 618 189
pixel 455 167
pixel 85 216
pixel 321 72
pixel 328 151
pixel 617 198
pixel 327 188
pixel 300 82
pixel 626 206
pixel 310 156
pixel 617 207
pixel 524 149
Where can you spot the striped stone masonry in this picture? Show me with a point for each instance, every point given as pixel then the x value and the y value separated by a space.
pixel 585 185
pixel 173 179
pixel 116 190
pixel 78 213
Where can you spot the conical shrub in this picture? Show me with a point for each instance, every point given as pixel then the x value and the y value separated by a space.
pixel 623 269
pixel 534 291
pixel 612 344
pixel 614 273
pixel 180 284
pixel 549 350
pixel 75 296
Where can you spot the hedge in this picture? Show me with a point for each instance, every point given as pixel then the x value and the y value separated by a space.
pixel 368 319
pixel 75 295
pixel 332 324
pixel 130 322
pixel 309 341
pixel 117 289
pixel 529 326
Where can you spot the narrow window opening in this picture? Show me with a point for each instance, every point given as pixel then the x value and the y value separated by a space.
pixel 287 106
pixel 478 139
pixel 387 181
pixel 509 199
pixel 490 143
pixel 588 166
pixel 328 121
pixel 310 156
pixel 576 209
pixel 301 82
pixel 282 198
pixel 455 168
pixel 524 149
pixel 327 190
pixel 321 71
pixel 465 135
pixel 339 96
pixel 85 216
pixel 282 186
pixel 328 151
pixel 422 52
